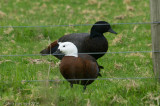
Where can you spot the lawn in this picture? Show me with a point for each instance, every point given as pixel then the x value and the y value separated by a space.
pixel 122 69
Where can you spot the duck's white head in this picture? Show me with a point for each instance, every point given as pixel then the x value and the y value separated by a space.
pixel 68 49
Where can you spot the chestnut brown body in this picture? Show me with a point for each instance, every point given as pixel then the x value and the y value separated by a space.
pixel 79 70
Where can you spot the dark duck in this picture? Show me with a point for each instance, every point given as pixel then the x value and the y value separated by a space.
pixel 85 42
pixel 82 69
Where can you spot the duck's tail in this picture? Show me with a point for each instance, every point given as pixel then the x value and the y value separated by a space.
pixel 100 67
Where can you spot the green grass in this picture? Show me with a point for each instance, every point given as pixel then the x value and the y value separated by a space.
pixel 16 41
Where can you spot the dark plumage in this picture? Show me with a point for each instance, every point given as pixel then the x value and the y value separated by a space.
pixel 86 43
pixel 77 69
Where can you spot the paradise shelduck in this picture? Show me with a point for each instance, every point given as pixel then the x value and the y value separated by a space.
pixel 77 69
pixel 86 43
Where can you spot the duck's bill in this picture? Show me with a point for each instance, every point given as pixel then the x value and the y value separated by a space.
pixel 112 31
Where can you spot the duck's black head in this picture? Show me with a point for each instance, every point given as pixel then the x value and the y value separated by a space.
pixel 101 27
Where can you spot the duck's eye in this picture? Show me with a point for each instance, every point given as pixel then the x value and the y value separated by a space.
pixel 63 45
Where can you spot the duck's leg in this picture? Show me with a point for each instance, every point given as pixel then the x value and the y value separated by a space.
pixel 71 85
pixel 84 88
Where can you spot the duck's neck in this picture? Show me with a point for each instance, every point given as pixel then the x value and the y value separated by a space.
pixel 95 34
pixel 72 54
